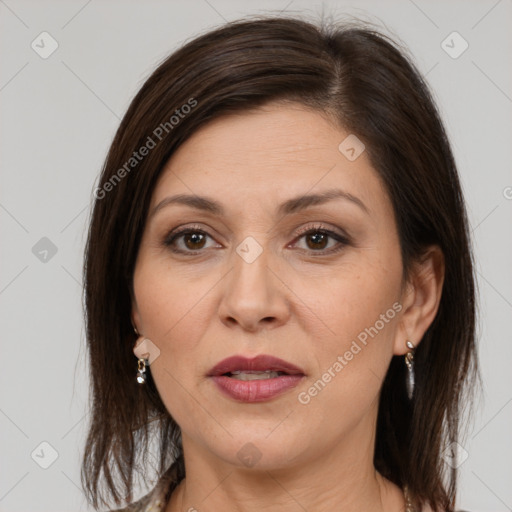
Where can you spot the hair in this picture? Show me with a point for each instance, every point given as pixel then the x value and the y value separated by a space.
pixel 366 83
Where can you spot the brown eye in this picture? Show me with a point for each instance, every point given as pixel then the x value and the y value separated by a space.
pixel 187 241
pixel 318 240
pixel 322 241
pixel 194 240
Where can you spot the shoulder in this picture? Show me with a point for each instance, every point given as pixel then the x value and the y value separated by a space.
pixel 156 500
pixel 148 503
pixel 427 508
pixel 143 505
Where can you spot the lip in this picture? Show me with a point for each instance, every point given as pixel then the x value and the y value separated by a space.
pixel 255 390
pixel 251 391
pixel 259 363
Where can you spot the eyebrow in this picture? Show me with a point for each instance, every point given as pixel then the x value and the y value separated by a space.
pixel 292 205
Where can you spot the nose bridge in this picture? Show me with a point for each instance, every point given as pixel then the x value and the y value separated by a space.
pixel 249 283
pixel 252 293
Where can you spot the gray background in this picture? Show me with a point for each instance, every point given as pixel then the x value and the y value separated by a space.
pixel 58 117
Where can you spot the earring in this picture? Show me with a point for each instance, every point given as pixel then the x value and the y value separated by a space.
pixel 141 371
pixel 409 362
pixel 142 362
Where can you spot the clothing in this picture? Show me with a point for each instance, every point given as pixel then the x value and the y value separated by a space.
pixel 157 499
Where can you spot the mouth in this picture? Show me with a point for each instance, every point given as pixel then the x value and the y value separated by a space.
pixel 255 380
pixel 248 375
pixel 257 368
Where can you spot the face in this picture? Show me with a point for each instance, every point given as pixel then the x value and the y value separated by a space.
pixel 262 269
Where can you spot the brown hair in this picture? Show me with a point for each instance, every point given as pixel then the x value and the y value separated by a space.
pixel 368 84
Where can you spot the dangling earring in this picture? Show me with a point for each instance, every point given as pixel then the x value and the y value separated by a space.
pixel 142 362
pixel 409 362
pixel 141 372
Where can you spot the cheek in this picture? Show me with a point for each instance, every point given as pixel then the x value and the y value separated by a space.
pixel 175 313
pixel 167 299
pixel 351 300
pixel 358 310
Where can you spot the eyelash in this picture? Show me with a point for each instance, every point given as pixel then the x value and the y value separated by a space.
pixel 318 229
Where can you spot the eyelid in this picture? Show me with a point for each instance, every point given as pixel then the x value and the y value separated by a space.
pixel 172 235
pixel 322 227
pixel 336 234
pixel 340 236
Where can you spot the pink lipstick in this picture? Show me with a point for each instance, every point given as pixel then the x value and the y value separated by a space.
pixel 257 379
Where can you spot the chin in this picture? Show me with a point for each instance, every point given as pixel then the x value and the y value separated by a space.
pixel 257 450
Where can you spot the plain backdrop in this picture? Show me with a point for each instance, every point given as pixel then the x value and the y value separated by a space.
pixel 62 96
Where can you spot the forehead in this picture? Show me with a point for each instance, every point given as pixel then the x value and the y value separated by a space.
pixel 267 154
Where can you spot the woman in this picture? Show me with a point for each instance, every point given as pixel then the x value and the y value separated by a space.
pixel 279 286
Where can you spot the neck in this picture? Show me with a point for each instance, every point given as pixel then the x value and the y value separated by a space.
pixel 341 479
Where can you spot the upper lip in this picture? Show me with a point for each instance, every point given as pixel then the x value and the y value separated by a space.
pixel 260 363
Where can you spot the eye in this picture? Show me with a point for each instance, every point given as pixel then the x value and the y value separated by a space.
pixel 318 239
pixel 322 240
pixel 187 240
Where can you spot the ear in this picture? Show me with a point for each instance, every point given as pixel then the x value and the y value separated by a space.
pixel 135 315
pixel 135 319
pixel 421 298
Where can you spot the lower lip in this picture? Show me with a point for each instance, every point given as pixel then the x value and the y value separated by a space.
pixel 250 391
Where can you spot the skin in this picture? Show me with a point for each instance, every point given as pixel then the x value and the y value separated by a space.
pixel 296 301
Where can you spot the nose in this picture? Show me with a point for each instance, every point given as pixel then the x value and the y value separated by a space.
pixel 254 297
